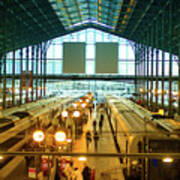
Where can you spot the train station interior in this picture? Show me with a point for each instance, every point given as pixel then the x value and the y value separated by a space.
pixel 89 90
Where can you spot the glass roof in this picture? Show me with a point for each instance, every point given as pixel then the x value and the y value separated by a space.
pixel 74 13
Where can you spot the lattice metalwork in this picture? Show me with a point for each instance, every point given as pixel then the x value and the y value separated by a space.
pixel 29 22
pixel 74 13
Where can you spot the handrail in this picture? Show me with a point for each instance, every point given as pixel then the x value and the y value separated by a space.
pixel 110 155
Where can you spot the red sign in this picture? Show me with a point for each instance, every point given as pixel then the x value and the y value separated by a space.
pixel 63 164
pixel 32 173
pixel 44 165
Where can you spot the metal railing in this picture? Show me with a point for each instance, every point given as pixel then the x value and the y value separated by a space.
pixel 106 155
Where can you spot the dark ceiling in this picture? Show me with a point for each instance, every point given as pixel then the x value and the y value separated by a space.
pixel 27 22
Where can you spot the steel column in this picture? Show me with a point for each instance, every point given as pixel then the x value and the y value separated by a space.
pixel 13 78
pixel 37 70
pixel 21 71
pixel 163 58
pixel 140 69
pixel 4 20
pixel 179 78
pixel 152 68
pixel 139 65
pixel 4 82
pixel 144 74
pixel 45 71
pixel 0 69
pixel 157 63
pixel 147 57
pixel 32 71
pixel 41 69
pixel 27 75
pixel 136 70
pixel 170 113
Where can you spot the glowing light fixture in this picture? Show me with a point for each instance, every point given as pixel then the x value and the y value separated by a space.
pixel 135 162
pixel 168 160
pixel 64 114
pixel 1 157
pixel 82 158
pixel 38 136
pixel 76 114
pixel 141 90
pixel 75 105
pixel 161 112
pixel 69 140
pixel 60 136
pixel 83 105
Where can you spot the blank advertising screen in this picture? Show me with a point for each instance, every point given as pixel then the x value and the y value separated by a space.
pixel 73 57
pixel 107 58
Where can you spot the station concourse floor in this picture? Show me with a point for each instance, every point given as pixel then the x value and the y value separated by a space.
pixel 110 166
pixel 106 144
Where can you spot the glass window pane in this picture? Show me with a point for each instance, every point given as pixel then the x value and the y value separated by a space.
pixel 90 37
pixel 130 52
pixel 122 68
pixel 57 51
pixel 82 36
pixel 130 68
pixel 175 69
pixel 90 51
pixel 90 67
pixel 98 37
pixel 50 52
pixel 122 51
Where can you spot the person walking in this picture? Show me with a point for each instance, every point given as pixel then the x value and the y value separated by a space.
pixel 96 138
pixel 88 139
pixel 86 173
pixel 101 117
pixel 100 125
pixel 94 125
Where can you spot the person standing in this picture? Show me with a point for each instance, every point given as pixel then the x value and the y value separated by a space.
pixel 88 139
pixel 96 138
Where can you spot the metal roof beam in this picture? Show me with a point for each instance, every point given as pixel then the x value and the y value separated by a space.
pixel 142 16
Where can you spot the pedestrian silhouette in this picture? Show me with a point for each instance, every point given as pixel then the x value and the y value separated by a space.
pixel 100 125
pixel 101 117
pixel 88 139
pixel 94 125
pixel 86 172
pixel 96 138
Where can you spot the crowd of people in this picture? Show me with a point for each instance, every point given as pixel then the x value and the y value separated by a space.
pixel 95 135
pixel 73 173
